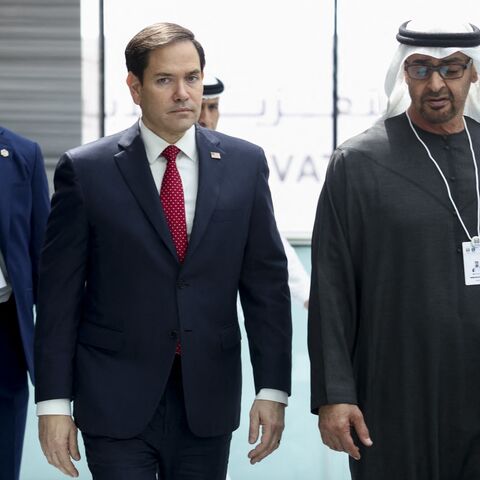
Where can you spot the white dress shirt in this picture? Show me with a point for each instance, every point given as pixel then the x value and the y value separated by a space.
pixel 298 278
pixel 187 165
pixel 5 287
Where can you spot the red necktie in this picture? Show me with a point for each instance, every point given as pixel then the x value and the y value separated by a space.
pixel 173 202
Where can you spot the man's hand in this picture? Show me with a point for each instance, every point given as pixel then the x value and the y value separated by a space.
pixel 270 416
pixel 335 423
pixel 58 438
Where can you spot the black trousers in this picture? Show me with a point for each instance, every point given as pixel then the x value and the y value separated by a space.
pixel 13 392
pixel 166 450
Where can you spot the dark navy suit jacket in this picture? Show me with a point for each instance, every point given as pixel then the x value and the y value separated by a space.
pixel 114 300
pixel 24 207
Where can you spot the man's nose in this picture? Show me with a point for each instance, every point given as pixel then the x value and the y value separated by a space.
pixel 436 82
pixel 181 92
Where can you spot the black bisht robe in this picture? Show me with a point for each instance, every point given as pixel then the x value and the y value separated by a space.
pixel 392 325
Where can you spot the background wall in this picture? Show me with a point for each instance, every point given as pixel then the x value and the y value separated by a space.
pixel 276 63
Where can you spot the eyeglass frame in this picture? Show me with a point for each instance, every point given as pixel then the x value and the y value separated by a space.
pixel 432 68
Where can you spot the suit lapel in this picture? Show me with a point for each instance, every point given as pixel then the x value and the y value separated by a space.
pixel 133 165
pixel 6 176
pixel 209 179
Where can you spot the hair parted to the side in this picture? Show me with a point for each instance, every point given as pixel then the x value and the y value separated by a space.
pixel 156 36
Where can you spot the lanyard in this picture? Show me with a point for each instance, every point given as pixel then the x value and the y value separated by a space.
pixel 476 239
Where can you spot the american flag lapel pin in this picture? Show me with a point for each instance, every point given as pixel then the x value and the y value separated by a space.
pixel 4 152
pixel 215 155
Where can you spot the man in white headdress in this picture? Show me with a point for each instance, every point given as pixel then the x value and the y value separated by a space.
pixel 210 113
pixel 394 328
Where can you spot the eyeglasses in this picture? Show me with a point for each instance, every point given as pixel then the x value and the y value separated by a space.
pixel 448 71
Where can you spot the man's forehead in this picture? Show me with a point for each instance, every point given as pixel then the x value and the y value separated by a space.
pixel 180 54
pixel 420 58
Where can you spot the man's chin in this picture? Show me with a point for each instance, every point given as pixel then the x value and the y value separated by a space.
pixel 438 116
pixel 182 125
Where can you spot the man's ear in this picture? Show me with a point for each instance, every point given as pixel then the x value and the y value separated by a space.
pixel 135 87
pixel 474 74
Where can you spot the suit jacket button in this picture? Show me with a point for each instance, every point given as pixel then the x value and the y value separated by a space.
pixel 174 334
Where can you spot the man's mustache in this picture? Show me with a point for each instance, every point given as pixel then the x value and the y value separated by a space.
pixel 434 95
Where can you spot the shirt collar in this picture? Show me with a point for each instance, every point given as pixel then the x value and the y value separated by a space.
pixel 155 145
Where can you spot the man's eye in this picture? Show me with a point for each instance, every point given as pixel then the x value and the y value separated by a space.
pixel 193 78
pixel 162 80
pixel 453 69
pixel 421 70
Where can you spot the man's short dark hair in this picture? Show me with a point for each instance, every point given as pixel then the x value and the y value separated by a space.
pixel 156 36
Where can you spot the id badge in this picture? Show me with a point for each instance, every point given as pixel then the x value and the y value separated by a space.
pixel 471 263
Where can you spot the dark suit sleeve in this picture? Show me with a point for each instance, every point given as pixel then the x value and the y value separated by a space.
pixel 61 285
pixel 264 294
pixel 39 215
pixel 332 315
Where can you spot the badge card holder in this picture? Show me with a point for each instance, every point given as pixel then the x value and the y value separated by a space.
pixel 471 261
pixel 471 249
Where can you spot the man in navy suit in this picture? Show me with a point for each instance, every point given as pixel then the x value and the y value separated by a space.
pixel 152 233
pixel 24 206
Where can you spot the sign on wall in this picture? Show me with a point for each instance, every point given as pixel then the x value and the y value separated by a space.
pixel 275 60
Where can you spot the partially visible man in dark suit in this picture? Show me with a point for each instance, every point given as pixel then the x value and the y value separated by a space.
pixel 24 206
pixel 153 231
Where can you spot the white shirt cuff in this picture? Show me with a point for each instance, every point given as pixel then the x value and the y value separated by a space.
pixel 59 406
pixel 273 395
